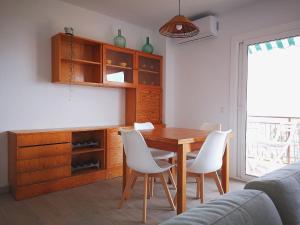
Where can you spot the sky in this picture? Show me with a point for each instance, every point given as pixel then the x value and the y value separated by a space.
pixel 273 86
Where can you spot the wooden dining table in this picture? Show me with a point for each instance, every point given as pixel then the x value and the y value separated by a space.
pixel 181 141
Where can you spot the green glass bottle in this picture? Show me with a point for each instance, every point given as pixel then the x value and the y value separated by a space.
pixel 148 48
pixel 120 40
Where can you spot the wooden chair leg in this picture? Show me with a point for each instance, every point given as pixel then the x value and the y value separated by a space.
pixel 218 183
pixel 150 184
pixel 172 170
pixel 134 181
pixel 146 180
pixel 198 187
pixel 172 179
pixel 129 193
pixel 152 187
pixel 167 191
pixel 127 189
pixel 175 199
pixel 202 187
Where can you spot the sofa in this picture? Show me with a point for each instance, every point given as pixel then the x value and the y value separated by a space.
pixel 273 199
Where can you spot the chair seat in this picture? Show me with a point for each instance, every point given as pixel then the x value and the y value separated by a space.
pixel 164 165
pixel 161 154
pixel 192 155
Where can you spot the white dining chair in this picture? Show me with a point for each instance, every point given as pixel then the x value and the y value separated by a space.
pixel 156 153
pixel 142 164
pixel 208 161
pixel 208 127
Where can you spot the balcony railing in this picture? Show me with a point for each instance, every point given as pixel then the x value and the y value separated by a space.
pixel 271 142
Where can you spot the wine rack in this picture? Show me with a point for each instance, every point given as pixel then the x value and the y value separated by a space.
pixel 88 151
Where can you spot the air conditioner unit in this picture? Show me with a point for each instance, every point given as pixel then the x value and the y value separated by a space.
pixel 208 26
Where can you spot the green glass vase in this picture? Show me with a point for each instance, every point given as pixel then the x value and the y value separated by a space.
pixel 120 40
pixel 148 48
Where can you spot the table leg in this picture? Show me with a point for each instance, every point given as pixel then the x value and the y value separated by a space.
pixel 181 179
pixel 225 168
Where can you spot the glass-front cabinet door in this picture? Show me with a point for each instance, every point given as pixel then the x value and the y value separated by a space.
pixel 118 66
pixel 149 70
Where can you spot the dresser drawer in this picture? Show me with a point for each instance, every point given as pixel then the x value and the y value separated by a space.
pixel 43 175
pixel 43 151
pixel 28 165
pixel 32 139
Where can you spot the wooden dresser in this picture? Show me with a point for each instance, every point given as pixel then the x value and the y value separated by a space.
pixel 42 161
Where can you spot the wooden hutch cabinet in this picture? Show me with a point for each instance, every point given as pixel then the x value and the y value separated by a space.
pixel 77 60
pixel 42 161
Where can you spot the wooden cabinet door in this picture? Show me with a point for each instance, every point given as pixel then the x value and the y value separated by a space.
pixel 114 148
pixel 148 107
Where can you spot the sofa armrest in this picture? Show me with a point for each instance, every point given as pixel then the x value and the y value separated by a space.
pixel 245 207
pixel 283 187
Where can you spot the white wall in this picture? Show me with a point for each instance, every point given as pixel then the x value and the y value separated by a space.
pixel 28 99
pixel 202 68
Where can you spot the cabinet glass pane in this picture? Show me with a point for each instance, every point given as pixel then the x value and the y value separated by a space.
pixel 148 78
pixel 119 59
pixel 119 75
pixel 119 67
pixel 149 64
pixel 149 71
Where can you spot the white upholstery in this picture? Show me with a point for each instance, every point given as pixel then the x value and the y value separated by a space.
pixel 208 127
pixel 156 153
pixel 138 156
pixel 209 158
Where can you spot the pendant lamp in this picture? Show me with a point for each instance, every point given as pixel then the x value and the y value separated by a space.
pixel 179 27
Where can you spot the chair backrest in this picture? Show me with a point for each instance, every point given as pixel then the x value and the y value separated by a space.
pixel 143 126
pixel 210 126
pixel 138 156
pixel 209 158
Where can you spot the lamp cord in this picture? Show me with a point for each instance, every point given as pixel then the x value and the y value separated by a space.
pixel 179 7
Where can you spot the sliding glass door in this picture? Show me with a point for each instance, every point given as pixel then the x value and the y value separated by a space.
pixel 269 113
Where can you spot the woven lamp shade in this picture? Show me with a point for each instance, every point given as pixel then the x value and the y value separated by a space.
pixel 179 27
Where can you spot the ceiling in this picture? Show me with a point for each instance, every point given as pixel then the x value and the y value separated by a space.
pixel 155 13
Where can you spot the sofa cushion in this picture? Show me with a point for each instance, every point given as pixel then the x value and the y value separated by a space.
pixel 245 207
pixel 283 187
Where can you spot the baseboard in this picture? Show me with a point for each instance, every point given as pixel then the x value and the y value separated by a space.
pixel 4 189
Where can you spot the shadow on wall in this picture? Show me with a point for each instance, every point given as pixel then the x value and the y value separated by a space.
pixel 3 159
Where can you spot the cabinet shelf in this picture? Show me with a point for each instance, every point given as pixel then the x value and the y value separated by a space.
pixel 148 71
pixel 119 67
pixel 77 151
pixel 81 61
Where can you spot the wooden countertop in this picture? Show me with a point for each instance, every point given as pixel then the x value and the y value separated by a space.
pixel 68 129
